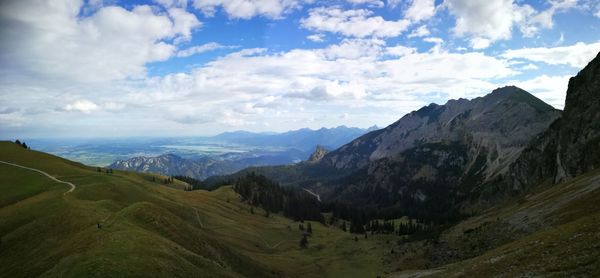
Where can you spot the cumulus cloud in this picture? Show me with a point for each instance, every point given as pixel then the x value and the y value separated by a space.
pixel 371 3
pixel 84 106
pixel 358 23
pixel 479 43
pixel 202 48
pixel 419 10
pixel 246 9
pixel 352 73
pixel 421 31
pixel 49 39
pixel 576 55
pixel 316 37
pixel 495 19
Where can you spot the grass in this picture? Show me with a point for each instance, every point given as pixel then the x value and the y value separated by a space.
pixel 554 232
pixel 149 229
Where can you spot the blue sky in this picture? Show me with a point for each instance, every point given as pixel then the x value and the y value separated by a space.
pixel 175 67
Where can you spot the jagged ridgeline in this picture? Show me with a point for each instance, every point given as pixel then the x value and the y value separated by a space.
pixel 431 162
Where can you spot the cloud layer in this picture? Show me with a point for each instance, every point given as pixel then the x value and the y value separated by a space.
pixel 75 67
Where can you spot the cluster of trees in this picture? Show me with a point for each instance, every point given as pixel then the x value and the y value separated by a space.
pixel 388 227
pixel 107 170
pixel 168 180
pixel 195 184
pixel 258 190
pixel 22 144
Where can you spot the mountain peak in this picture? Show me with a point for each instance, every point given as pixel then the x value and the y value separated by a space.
pixel 318 154
pixel 515 94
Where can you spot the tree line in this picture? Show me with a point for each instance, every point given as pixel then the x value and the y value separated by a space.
pixel 258 190
pixel 22 144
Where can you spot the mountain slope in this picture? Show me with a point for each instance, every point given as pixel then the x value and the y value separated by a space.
pixel 435 159
pixel 501 123
pixel 552 232
pixel 571 146
pixel 46 233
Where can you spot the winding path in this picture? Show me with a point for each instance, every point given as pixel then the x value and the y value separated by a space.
pixel 312 193
pixel 45 174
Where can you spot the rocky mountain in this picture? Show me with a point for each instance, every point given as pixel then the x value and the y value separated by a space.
pixel 431 160
pixel 318 154
pixel 571 146
pixel 168 164
pixel 202 168
pixel 499 124
pixel 304 139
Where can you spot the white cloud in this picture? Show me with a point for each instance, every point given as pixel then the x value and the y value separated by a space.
pixel 419 10
pixel 530 67
pixel 246 9
pixel 354 73
pixel 399 50
pixel 352 23
pixel 480 43
pixel 495 19
pixel 434 40
pixel 202 48
pixel 577 55
pixel 316 37
pixel 172 3
pixel 371 3
pixel 84 106
pixel 49 40
pixel 422 31
pixel 183 22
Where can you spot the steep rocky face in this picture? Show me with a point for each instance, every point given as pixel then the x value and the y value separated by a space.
pixel 498 125
pixel 571 146
pixel 318 154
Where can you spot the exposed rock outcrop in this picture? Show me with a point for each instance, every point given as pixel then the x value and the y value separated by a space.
pixel 318 154
pixel 571 146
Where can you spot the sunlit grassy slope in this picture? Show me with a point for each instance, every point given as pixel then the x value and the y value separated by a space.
pixel 149 229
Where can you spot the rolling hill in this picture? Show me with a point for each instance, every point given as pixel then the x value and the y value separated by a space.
pixel 150 229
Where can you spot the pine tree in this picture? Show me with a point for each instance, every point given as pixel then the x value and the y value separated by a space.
pixel 303 242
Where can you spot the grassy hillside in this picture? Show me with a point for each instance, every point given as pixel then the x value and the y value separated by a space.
pixel 554 232
pixel 149 229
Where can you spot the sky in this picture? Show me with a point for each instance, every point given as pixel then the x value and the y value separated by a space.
pixel 94 68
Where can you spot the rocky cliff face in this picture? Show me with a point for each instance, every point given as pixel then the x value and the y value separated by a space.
pixel 498 125
pixel 571 146
pixel 318 154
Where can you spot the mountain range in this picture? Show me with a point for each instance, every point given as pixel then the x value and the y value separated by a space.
pixel 442 159
pixel 281 149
